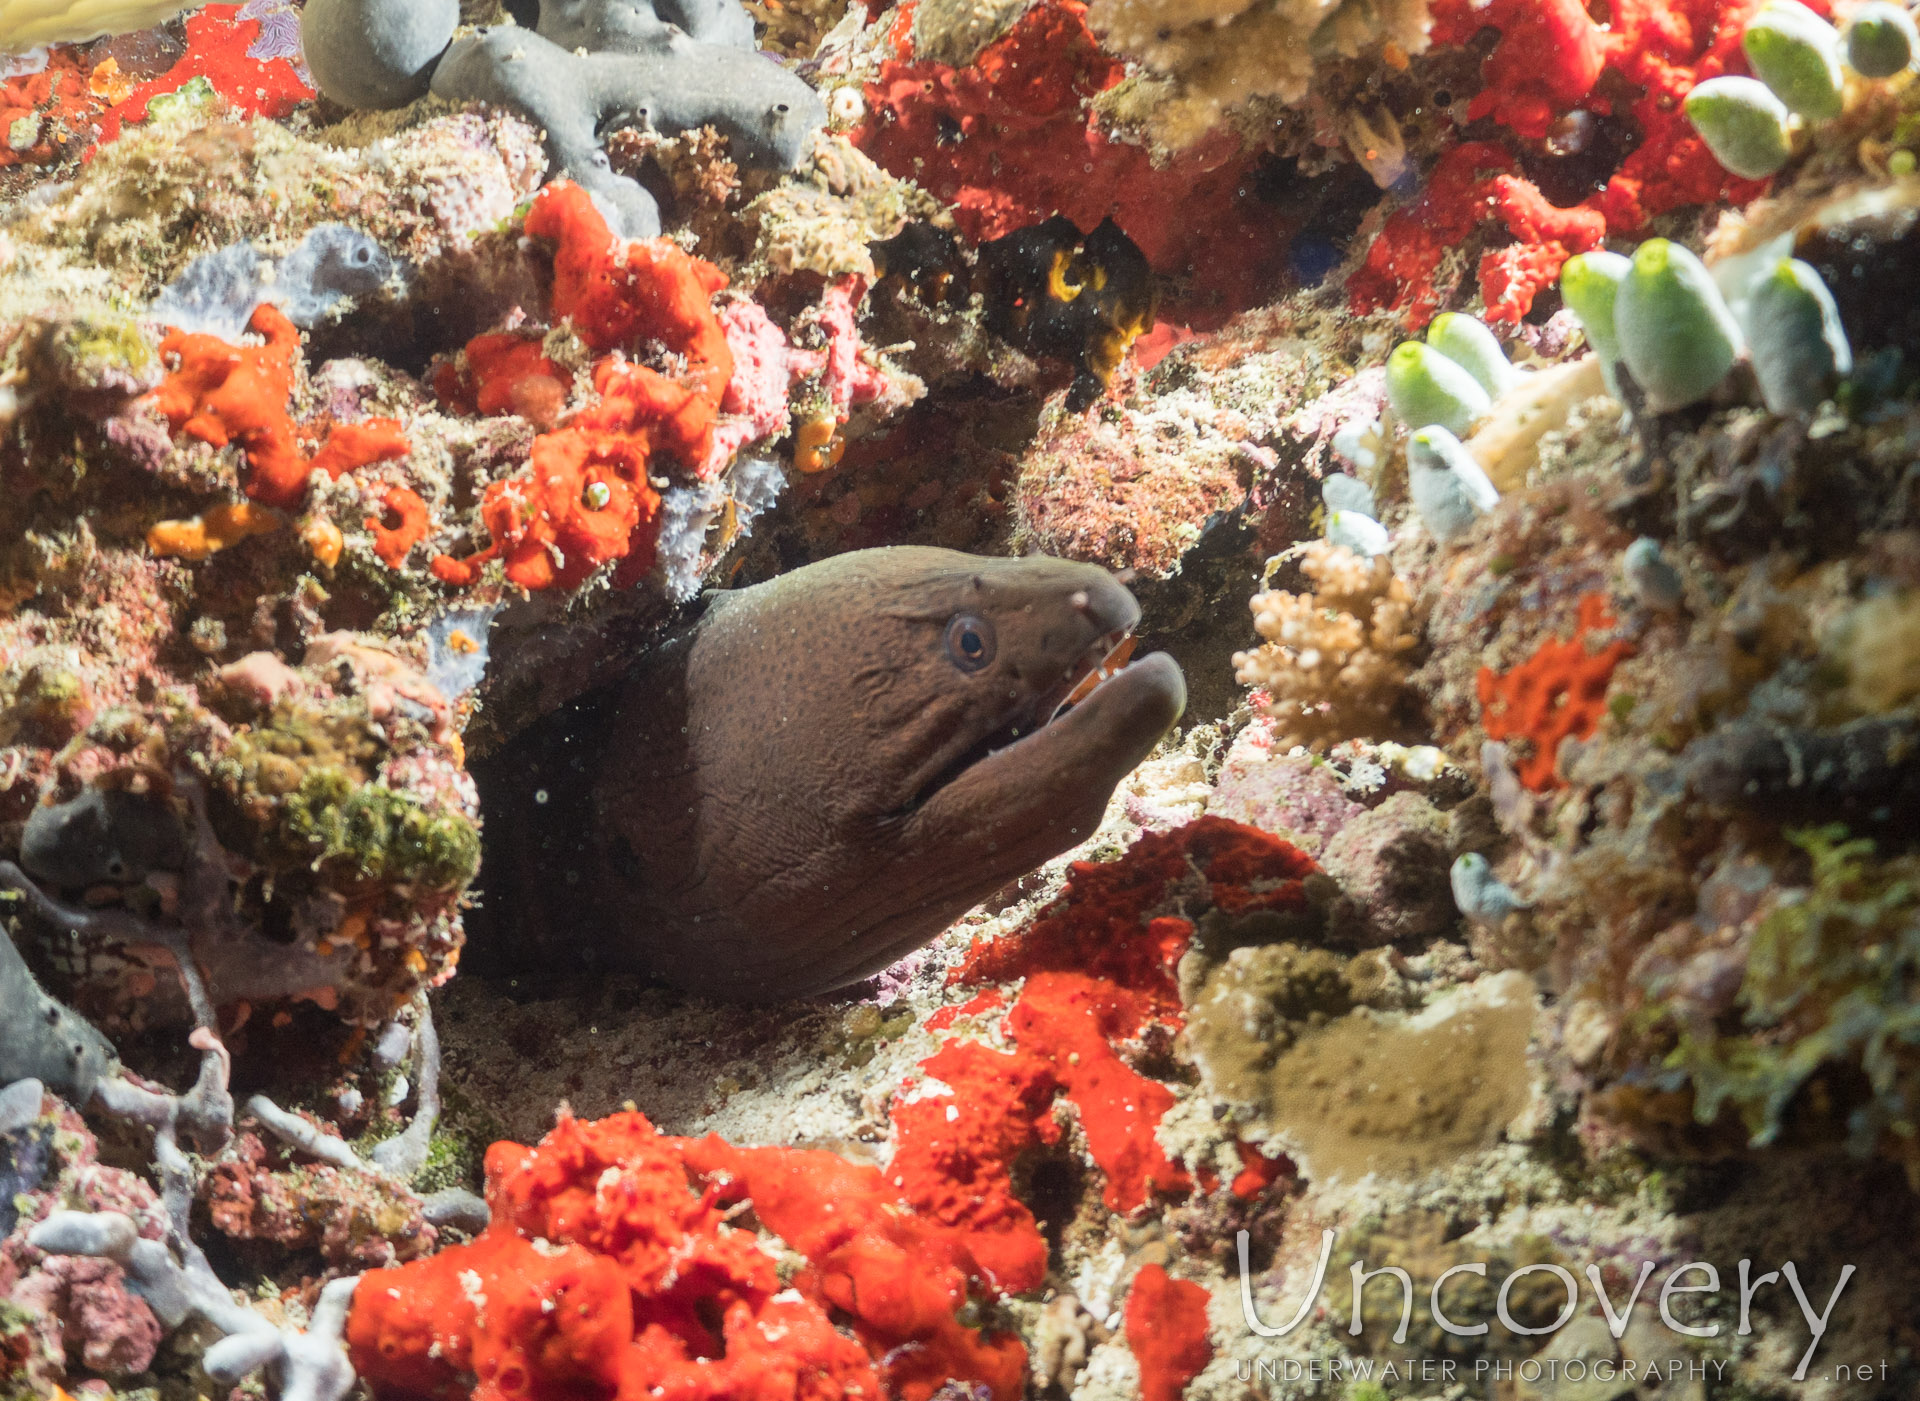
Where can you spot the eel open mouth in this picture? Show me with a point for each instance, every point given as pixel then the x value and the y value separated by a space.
pixel 1118 647
pixel 1103 660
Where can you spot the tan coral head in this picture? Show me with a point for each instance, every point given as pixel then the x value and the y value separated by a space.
pixel 26 24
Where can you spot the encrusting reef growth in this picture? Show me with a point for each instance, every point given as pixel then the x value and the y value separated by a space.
pixel 1502 412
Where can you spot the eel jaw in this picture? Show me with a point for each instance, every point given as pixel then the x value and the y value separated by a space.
pixel 1118 647
pixel 1100 662
pixel 1043 788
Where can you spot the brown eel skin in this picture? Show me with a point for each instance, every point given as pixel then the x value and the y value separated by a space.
pixel 818 774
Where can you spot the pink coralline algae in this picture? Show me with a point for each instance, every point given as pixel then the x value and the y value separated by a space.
pixel 767 367
pixel 354 1219
pixel 846 379
pixel 1556 68
pixel 754 405
pixel 1295 795
pixel 68 1308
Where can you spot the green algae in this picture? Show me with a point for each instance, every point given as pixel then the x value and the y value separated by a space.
pixel 1831 981
pixel 47 700
pixel 862 1032
pixel 304 776
pixel 381 834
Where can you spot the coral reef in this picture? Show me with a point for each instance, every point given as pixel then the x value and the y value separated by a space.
pixel 1030 148
pixel 1559 77
pixel 586 499
pixel 1238 54
pixel 1516 933
pixel 64 1305
pixel 1391 1093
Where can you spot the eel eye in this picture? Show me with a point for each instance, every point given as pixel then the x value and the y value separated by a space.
pixel 969 641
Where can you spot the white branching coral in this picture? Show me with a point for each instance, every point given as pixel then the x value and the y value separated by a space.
pixel 1334 664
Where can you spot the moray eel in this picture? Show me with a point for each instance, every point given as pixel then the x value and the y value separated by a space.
pixel 819 773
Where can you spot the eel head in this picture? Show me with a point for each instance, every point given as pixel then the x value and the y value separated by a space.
pixel 941 724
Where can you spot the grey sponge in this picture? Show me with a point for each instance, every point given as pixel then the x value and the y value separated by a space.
pixel 102 836
pixel 626 26
pixel 376 53
pixel 670 83
pixel 588 67
pixel 217 292
pixel 42 1040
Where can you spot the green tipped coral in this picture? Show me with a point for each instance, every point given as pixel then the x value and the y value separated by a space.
pixel 1743 124
pixel 1832 981
pixel 1677 336
pixel 1880 40
pixel 1797 54
pixel 1467 342
pixel 1589 284
pixel 1425 388
pixel 1794 336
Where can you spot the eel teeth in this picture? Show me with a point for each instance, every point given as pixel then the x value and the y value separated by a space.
pixel 1117 652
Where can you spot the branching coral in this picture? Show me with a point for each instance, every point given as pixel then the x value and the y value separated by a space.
pixel 1335 662
pixel 61 1307
pixel 153 1250
pixel 160 1261
pixel 309 1364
